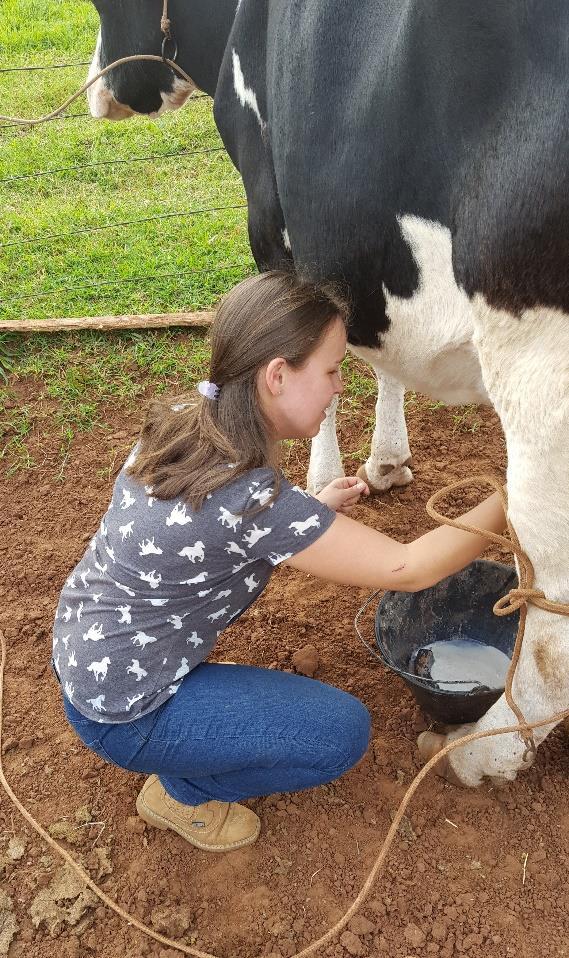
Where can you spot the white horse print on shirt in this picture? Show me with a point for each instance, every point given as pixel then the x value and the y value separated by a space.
pixel 228 519
pixel 251 582
pixel 183 670
pixel 201 577
pixel 147 548
pixel 218 615
pixel 261 497
pixel 193 553
pixel 136 669
pixel 252 536
pixel 176 620
pixel 94 632
pixel 126 530
pixel 313 522
pixel 194 639
pixel 153 578
pixel 142 639
pixel 99 669
pixel 131 701
pixel 97 704
pixel 125 614
pixel 232 548
pixel 127 500
pixel 178 516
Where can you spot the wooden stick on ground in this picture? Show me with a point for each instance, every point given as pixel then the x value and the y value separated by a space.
pixel 145 321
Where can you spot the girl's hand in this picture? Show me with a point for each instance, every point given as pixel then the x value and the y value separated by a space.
pixel 343 494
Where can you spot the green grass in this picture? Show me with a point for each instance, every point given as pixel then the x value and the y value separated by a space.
pixel 175 264
pixel 157 266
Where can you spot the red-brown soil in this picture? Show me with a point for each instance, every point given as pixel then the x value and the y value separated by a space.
pixel 455 881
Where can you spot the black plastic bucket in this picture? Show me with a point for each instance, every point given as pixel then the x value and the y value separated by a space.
pixel 406 621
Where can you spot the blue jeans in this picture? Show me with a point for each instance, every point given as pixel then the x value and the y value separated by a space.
pixel 233 731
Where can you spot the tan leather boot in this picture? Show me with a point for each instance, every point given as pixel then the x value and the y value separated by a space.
pixel 213 826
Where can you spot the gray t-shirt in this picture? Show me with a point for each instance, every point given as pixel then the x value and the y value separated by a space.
pixel 159 582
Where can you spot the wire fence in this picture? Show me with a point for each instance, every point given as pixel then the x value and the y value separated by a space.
pixel 101 163
pixel 32 68
pixel 53 282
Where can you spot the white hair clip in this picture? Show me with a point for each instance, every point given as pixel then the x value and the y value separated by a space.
pixel 209 390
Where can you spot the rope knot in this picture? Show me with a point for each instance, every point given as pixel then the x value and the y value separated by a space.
pixel 514 600
pixel 165 25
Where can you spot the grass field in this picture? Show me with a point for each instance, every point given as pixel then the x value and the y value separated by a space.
pixel 160 265
pixel 48 269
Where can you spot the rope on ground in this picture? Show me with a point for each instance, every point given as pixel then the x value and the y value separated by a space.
pixel 516 598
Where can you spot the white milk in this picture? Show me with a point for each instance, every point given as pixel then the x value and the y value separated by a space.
pixel 468 662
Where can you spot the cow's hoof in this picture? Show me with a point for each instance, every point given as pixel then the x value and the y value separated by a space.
pixel 396 476
pixel 430 744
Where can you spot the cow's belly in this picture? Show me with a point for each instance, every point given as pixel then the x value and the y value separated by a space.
pixel 429 345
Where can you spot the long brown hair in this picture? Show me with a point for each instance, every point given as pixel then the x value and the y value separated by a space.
pixel 185 451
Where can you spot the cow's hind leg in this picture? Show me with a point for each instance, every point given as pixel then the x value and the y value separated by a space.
pixel 390 458
pixel 526 370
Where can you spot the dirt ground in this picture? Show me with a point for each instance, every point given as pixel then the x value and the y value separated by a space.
pixel 479 873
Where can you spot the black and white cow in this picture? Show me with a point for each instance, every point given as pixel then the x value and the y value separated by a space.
pixel 417 151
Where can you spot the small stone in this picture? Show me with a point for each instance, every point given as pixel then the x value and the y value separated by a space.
pixel 361 925
pixel 9 744
pixel 352 943
pixel 306 660
pixel 16 849
pixel 414 936
pixel 135 825
pixel 171 920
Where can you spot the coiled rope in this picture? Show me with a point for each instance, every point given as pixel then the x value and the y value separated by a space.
pixel 515 599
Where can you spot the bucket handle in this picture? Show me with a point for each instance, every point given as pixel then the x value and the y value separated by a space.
pixel 429 683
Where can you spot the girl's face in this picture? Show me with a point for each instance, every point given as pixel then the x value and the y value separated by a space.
pixel 295 400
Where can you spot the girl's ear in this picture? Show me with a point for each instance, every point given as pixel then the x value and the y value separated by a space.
pixel 275 375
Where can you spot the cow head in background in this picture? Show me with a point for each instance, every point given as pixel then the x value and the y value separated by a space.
pixel 129 27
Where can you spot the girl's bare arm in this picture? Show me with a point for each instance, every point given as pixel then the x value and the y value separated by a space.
pixel 351 553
